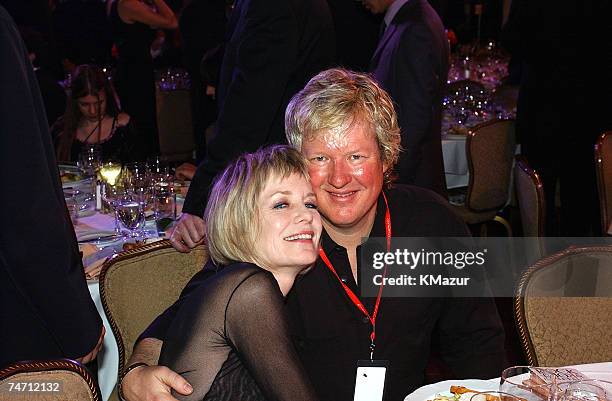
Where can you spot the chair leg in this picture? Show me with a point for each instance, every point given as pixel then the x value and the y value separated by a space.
pixel 504 223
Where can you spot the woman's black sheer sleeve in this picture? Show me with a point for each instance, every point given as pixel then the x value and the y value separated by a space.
pixel 257 325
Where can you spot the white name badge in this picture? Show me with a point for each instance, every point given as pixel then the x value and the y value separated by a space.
pixel 370 380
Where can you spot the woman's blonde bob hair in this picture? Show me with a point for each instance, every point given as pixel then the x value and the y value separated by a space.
pixel 232 215
pixel 334 100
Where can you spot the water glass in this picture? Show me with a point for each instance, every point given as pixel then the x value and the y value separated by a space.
pixel 158 166
pixel 164 199
pixel 584 391
pixel 131 215
pixel 516 381
pixel 110 172
pixel 89 159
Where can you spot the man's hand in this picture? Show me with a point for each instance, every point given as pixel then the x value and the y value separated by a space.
pixel 188 233
pixel 94 352
pixel 185 171
pixel 153 383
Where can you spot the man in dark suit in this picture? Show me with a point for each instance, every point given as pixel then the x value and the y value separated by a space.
pixel 273 47
pixel 45 308
pixel 411 63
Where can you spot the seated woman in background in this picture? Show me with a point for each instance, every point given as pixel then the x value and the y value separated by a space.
pixel 93 117
pixel 230 338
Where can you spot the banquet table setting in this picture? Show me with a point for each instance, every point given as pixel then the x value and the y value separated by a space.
pixel 476 94
pixel 585 382
pixel 103 229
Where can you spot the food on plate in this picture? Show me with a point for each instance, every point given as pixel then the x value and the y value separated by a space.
pixel 460 393
pixel 460 390
pixel 70 176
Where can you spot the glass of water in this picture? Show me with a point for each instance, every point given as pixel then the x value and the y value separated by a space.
pixel 130 212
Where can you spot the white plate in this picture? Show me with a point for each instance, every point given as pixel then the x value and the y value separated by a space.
pixel 75 170
pixel 429 391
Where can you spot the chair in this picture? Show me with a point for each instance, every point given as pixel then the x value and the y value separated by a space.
pixel 138 285
pixel 65 380
pixel 490 149
pixel 603 163
pixel 563 305
pixel 176 138
pixel 531 200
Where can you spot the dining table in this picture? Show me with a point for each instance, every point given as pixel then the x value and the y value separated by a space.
pixel 596 371
pixel 95 232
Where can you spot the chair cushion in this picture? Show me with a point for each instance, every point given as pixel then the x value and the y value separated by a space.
pixel 471 217
pixel 571 330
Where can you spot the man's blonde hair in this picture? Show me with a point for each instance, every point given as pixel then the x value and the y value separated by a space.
pixel 337 98
pixel 232 215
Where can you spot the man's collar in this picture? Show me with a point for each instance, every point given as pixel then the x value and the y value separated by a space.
pixel 393 10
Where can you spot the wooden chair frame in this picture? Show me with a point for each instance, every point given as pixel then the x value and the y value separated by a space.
pixel 519 305
pixel 604 201
pixel 521 163
pixel 49 365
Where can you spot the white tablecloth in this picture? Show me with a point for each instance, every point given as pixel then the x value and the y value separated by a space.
pixel 601 371
pixel 108 357
pixel 455 161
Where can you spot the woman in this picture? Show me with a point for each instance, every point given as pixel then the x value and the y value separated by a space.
pixel 230 339
pixel 134 24
pixel 92 117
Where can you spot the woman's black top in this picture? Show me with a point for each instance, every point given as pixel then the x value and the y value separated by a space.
pixel 120 145
pixel 230 340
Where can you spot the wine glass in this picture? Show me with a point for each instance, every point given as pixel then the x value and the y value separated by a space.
pixel 130 213
pixel 518 382
pixel 158 166
pixel 110 171
pixel 137 181
pixel 111 194
pixel 587 390
pixel 164 196
pixel 89 159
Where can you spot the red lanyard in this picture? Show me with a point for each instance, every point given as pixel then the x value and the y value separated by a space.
pixel 354 298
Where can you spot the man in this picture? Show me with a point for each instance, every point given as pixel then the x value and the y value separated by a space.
pixel 45 308
pixel 273 48
pixel 411 63
pixel 345 125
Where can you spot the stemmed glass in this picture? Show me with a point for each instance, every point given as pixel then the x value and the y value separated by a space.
pixel 130 212
pixel 110 171
pixel 164 196
pixel 89 160
pixel 586 390
pixel 517 381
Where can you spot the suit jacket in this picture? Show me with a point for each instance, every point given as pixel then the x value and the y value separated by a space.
pixel 273 48
pixel 45 308
pixel 411 63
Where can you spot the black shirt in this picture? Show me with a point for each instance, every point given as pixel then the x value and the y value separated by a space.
pixel 331 334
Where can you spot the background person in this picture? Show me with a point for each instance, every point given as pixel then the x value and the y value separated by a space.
pixel 411 63
pixel 134 24
pixel 45 308
pixel 93 117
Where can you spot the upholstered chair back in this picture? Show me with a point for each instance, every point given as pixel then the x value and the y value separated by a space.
pixel 138 285
pixel 490 151
pixel 563 308
pixel 49 380
pixel 530 196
